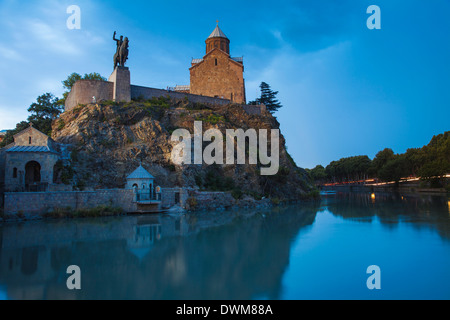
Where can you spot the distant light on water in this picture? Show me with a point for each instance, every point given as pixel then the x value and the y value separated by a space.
pixel 372 196
pixel 448 204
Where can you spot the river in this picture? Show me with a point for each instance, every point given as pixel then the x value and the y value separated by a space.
pixel 318 250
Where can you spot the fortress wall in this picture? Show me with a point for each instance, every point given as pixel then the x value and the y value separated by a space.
pixel 83 91
pixel 148 93
pixel 37 203
pixel 255 109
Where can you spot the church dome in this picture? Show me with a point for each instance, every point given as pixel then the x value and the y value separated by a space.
pixel 217 33
pixel 218 39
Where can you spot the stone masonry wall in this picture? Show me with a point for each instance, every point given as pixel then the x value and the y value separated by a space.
pixel 36 203
pixel 255 109
pixel 19 160
pixel 218 75
pixel 83 91
pixel 148 93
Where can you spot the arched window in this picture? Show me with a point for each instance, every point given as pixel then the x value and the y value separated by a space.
pixel 144 186
pixel 29 140
pixel 215 62
pixel 15 173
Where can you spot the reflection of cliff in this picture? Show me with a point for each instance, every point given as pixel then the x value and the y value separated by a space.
pixel 392 208
pixel 202 256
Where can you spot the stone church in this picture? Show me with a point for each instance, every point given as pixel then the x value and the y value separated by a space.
pixel 215 79
pixel 28 163
pixel 218 74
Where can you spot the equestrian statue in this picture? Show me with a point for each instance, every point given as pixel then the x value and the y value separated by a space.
pixel 121 55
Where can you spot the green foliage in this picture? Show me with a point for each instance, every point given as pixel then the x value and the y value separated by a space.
pixel 393 170
pixel 74 155
pixel 63 173
pixel 268 97
pixel 430 162
pixel 107 143
pixel 212 119
pixel 318 174
pixel 348 169
pixel 61 124
pixel 213 179
pixel 382 158
pixel 192 202
pixel 44 111
pixel 237 193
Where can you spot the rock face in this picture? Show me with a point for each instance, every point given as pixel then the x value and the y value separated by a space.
pixel 109 140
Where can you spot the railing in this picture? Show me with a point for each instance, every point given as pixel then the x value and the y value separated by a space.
pixel 179 88
pixel 146 196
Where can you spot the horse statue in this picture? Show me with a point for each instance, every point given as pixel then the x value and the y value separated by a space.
pixel 121 55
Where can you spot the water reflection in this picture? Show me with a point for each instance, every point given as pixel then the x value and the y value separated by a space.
pixel 225 255
pixel 392 208
pixel 201 256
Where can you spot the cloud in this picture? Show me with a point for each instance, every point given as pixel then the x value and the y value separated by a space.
pixel 10 54
pixel 50 38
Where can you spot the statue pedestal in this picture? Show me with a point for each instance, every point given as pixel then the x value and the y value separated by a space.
pixel 121 79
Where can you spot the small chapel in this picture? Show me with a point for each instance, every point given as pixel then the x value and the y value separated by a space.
pixel 28 164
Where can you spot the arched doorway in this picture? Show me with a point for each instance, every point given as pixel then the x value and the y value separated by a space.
pixel 32 173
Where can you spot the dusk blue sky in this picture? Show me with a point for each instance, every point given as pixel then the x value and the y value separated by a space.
pixel 346 90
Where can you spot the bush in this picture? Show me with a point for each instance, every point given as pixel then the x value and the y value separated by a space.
pixel 237 193
pixel 61 124
pixel 192 202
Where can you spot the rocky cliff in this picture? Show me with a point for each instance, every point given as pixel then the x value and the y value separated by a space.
pixel 108 140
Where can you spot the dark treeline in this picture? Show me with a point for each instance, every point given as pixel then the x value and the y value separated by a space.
pixel 431 162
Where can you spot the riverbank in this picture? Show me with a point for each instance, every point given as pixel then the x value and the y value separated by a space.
pixel 405 187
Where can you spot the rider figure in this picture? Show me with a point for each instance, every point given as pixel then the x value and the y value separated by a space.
pixel 119 42
pixel 122 50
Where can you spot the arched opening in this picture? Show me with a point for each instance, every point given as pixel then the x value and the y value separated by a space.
pixel 29 140
pixel 32 173
pixel 15 173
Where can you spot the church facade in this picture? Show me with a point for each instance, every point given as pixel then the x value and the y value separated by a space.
pixel 218 74
pixel 28 163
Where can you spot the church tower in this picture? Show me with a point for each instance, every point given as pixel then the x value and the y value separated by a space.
pixel 218 39
pixel 218 74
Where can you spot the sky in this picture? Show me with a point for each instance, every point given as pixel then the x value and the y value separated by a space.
pixel 345 90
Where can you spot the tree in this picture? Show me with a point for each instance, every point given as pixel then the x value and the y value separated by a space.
pixel 74 77
pixel 268 98
pixel 394 169
pixel 44 111
pixel 318 174
pixel 382 158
